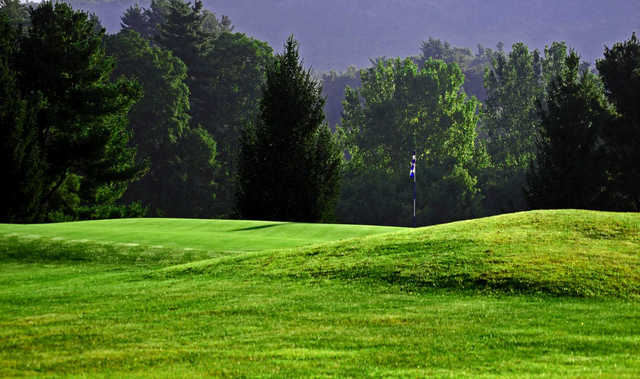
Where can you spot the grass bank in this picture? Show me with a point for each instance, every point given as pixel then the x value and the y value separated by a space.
pixel 443 301
pixel 568 252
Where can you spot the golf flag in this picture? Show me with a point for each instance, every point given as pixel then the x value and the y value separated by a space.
pixel 412 172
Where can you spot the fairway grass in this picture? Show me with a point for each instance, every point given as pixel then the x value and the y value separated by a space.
pixel 410 303
pixel 209 235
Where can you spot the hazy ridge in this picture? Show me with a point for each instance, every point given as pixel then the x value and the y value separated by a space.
pixel 335 34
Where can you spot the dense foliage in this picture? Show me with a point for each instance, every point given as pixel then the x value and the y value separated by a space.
pixel 64 123
pixel 620 71
pixel 181 158
pixel 515 83
pixel 224 74
pixel 570 169
pixel 399 109
pixel 472 65
pixel 588 149
pixel 179 116
pixel 290 162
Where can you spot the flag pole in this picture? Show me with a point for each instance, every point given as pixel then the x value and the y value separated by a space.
pixel 414 200
pixel 412 174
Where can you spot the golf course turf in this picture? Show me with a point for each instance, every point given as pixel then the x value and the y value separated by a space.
pixel 542 293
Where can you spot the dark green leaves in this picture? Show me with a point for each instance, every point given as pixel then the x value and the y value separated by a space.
pixel 400 108
pixel 77 117
pixel 290 165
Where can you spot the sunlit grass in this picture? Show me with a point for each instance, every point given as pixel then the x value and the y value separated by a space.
pixel 219 235
pixel 406 304
pixel 577 253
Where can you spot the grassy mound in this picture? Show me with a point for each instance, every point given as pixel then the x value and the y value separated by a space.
pixel 567 252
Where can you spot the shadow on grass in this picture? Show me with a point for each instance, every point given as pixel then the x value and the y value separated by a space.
pixel 435 263
pixel 40 250
pixel 257 227
pixel 462 264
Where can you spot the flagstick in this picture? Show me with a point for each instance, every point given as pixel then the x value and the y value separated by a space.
pixel 414 201
pixel 412 174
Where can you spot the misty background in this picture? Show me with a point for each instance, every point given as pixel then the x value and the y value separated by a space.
pixel 335 34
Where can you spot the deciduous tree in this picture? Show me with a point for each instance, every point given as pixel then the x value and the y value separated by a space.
pixel 225 71
pixel 515 83
pixel 161 131
pixel 398 109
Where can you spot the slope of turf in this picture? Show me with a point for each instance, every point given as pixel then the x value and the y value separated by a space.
pixel 412 303
pixel 209 235
pixel 568 252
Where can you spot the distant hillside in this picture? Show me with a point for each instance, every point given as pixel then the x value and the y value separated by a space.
pixel 335 34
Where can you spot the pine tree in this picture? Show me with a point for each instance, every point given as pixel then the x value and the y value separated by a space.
pixel 17 13
pixel 136 19
pixel 19 153
pixel 570 170
pixel 77 115
pixel 183 33
pixel 620 71
pixel 290 163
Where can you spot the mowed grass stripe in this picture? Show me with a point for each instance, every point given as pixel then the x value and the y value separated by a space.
pixel 211 235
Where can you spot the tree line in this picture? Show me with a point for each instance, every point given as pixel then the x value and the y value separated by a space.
pixel 177 115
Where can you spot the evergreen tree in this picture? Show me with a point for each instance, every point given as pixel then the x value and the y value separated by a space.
pixel 290 165
pixel 230 90
pixel 77 115
pixel 620 71
pixel 19 153
pixel 136 19
pixel 16 13
pixel 183 33
pixel 571 170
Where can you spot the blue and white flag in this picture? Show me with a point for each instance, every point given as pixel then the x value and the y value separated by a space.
pixel 412 172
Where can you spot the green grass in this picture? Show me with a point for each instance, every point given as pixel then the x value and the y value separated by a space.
pixel 577 253
pixel 211 235
pixel 534 294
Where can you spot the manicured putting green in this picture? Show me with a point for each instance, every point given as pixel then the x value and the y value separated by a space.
pixel 216 235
